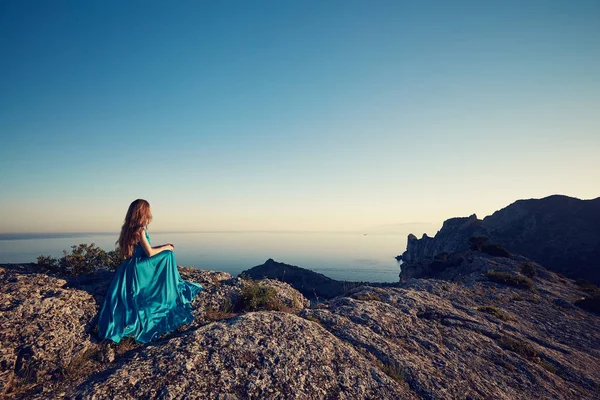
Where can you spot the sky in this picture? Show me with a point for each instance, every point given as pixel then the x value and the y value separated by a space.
pixel 293 115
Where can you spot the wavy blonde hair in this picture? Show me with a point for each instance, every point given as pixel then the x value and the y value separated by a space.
pixel 138 217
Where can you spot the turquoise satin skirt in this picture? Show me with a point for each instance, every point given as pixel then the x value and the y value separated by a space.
pixel 146 299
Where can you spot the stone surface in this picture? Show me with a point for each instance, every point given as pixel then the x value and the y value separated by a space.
pixel 456 336
pixel 257 355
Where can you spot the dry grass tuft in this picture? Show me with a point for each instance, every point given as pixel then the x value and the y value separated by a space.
pixel 81 364
pixel 392 369
pixel 366 297
pixel 224 311
pixel 508 279
pixel 125 345
pixel 495 311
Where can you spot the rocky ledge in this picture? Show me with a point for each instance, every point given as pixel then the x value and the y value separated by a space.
pixel 464 336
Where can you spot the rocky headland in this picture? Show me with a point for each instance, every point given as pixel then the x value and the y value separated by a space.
pixel 311 284
pixel 559 232
pixel 486 328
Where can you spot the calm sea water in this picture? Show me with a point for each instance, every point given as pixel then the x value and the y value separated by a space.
pixel 344 256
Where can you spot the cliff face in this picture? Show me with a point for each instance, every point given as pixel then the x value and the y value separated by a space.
pixel 559 232
pixel 462 336
pixel 449 239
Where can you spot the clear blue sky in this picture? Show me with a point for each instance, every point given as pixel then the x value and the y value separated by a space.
pixel 325 115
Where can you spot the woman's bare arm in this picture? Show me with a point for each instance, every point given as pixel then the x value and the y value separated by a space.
pixel 163 245
pixel 149 250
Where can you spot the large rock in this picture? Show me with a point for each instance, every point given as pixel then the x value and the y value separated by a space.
pixel 558 232
pixel 474 339
pixel 44 324
pixel 262 355
pixel 462 336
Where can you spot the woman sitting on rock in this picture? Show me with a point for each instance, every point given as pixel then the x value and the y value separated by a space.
pixel 147 297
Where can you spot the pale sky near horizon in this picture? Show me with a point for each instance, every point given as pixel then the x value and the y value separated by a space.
pixel 293 115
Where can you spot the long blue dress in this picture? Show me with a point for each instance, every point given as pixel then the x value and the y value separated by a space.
pixel 146 298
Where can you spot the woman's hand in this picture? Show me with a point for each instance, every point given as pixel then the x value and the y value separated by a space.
pixel 169 246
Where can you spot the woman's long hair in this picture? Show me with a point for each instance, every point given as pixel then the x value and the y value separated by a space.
pixel 138 217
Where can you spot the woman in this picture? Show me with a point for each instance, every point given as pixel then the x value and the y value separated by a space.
pixel 147 297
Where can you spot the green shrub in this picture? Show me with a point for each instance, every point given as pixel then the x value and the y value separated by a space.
pixel 479 243
pixel 224 311
pixel 588 287
pixel 366 297
pixel 476 243
pixel 524 349
pixel 314 319
pixel 548 367
pixel 257 297
pixel 528 269
pixel 495 250
pixel 517 281
pixel 392 369
pixel 82 259
pixel 47 262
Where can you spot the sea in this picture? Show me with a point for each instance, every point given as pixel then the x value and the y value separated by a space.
pixel 349 256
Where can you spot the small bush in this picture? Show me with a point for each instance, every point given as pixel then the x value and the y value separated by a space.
pixel 517 281
pixel 366 297
pixel 224 311
pixel 314 319
pixel 547 366
pixel 495 250
pixel 523 349
pixel 518 297
pixel 476 243
pixel 528 269
pixel 496 312
pixel 82 259
pixel 588 287
pixel 256 297
pixel 392 369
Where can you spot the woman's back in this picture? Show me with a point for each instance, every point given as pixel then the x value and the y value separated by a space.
pixel 147 297
pixel 138 250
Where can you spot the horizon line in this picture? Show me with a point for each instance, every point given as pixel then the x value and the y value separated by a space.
pixel 35 235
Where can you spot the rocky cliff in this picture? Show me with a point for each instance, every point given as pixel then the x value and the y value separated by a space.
pixel 559 232
pixel 463 336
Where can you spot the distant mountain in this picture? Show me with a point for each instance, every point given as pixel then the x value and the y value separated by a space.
pixel 559 232
pixel 311 284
